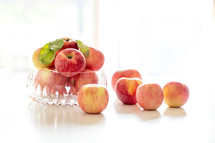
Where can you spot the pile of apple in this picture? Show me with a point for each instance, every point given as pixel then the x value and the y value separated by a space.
pixel 130 89
pixel 66 62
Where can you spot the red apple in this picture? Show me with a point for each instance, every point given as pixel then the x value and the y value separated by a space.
pixel 129 73
pixel 51 80
pixel 36 61
pixel 68 43
pixel 149 96
pixel 92 98
pixel 86 77
pixel 176 94
pixel 95 60
pixel 70 62
pixel 126 89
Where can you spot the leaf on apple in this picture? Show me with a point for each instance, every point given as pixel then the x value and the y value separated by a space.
pixel 46 55
pixel 56 45
pixel 83 48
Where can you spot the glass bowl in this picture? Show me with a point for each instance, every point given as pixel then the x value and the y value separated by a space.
pixel 51 87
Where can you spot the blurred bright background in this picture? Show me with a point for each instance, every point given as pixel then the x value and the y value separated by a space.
pixel 162 38
pixel 165 38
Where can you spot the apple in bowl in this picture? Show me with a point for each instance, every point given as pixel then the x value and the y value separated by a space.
pixel 36 61
pixel 51 80
pixel 95 59
pixel 70 62
pixel 86 77
pixel 69 43
pixel 65 65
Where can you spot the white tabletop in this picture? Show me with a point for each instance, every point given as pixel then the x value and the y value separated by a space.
pixel 23 120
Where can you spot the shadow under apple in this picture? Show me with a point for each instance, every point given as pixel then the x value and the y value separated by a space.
pixel 174 112
pixel 89 119
pixel 125 109
pixel 149 115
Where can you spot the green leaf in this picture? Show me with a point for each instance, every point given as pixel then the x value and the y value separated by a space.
pixel 83 48
pixel 46 55
pixel 56 45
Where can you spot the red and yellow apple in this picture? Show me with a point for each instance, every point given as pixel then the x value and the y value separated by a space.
pixel 36 61
pixel 129 73
pixel 176 94
pixel 51 80
pixel 70 62
pixel 149 96
pixel 95 60
pixel 126 89
pixel 92 98
pixel 86 77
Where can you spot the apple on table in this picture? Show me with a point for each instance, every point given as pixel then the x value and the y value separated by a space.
pixel 128 73
pixel 93 98
pixel 149 96
pixel 126 89
pixel 176 94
